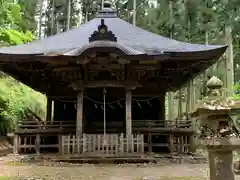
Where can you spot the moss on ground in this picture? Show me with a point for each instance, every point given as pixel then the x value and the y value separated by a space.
pixel 14 163
pixel 4 178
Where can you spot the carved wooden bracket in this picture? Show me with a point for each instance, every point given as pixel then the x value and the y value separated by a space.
pixel 131 88
pixel 77 86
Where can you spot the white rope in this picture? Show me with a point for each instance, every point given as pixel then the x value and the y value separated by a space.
pixel 113 102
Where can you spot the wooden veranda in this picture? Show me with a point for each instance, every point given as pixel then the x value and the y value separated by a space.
pixel 32 137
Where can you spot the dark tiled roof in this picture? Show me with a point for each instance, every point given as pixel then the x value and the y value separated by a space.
pixel 125 49
pixel 131 39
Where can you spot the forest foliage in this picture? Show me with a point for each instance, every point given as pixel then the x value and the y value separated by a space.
pixel 15 97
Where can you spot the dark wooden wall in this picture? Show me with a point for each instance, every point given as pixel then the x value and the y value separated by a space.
pixel 64 111
pixel 154 109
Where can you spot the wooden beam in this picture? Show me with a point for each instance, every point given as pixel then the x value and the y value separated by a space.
pixel 123 61
pixel 55 62
pixel 105 83
pixel 105 67
pixel 110 67
pixel 84 61
pixel 150 62
pixel 66 68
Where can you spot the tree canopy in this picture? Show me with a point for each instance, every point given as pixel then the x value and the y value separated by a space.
pixel 11 31
pixel 15 98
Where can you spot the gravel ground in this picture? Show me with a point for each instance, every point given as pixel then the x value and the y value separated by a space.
pixel 62 171
pixel 10 167
pixel 105 172
pixel 13 167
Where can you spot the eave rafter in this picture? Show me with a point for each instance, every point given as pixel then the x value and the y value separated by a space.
pixel 64 74
pixel 184 76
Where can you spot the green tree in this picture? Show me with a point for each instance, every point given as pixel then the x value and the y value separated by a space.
pixel 10 18
pixel 15 98
pixel 57 14
pixel 29 9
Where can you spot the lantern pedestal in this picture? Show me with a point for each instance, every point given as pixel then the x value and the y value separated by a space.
pixel 220 153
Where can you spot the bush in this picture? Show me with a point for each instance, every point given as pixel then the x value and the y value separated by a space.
pixel 15 100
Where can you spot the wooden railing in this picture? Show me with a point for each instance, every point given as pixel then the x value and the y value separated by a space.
pixel 108 145
pixel 162 123
pixel 27 126
pixel 148 123
pixel 45 126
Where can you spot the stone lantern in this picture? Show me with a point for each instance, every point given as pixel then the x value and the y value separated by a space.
pixel 217 130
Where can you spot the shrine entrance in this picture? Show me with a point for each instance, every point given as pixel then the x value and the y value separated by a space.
pixel 104 111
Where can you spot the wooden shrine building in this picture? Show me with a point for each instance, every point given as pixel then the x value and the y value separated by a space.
pixel 106 83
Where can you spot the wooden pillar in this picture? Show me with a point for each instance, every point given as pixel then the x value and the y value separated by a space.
pixel 49 109
pixel 38 142
pixel 128 111
pixel 192 137
pixel 79 123
pixel 182 144
pixel 60 150
pixel 170 105
pixel 16 144
pixel 162 109
pixel 150 142
pixel 171 143
pixel 180 108
pixel 193 98
pixel 189 95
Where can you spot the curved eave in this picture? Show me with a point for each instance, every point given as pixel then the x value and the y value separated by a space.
pixel 97 46
pixel 209 54
pixel 190 65
pixel 126 51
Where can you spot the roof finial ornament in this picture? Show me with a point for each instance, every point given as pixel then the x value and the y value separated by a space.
pixel 102 34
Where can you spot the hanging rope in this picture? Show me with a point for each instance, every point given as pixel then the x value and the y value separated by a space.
pixel 144 100
pixel 109 103
pixel 99 102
